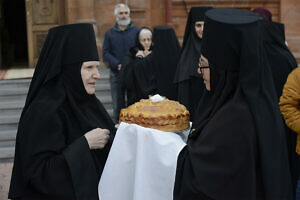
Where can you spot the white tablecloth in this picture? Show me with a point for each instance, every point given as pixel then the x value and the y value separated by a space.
pixel 141 164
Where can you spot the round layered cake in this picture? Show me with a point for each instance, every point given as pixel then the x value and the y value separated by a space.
pixel 165 115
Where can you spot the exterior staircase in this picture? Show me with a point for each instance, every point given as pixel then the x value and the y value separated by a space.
pixel 12 99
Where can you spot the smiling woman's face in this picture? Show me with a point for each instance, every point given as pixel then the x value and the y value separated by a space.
pixel 90 74
pixel 199 26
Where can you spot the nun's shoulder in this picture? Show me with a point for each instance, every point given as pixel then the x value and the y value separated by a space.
pixel 40 110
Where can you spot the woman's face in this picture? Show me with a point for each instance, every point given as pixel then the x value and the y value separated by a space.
pixel 145 40
pixel 199 25
pixel 90 74
pixel 204 70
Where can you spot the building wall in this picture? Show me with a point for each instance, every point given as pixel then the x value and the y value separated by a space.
pixel 152 12
pixel 290 16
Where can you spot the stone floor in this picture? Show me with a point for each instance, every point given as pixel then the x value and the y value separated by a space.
pixel 5 174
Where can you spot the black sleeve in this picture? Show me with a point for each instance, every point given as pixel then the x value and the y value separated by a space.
pixel 51 167
pixel 144 76
pixel 219 161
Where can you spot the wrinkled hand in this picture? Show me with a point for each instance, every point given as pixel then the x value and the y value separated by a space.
pixel 146 52
pixel 97 138
pixel 139 54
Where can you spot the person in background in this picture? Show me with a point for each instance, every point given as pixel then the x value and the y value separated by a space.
pixel 189 83
pixel 264 13
pixel 136 75
pixel 64 132
pixel 236 148
pixel 289 107
pixel 117 42
pixel 165 57
pixel 281 62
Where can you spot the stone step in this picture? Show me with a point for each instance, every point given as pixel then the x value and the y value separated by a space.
pixel 10 119
pixel 15 83
pixel 11 107
pixel 8 135
pixel 7 143
pixel 7 153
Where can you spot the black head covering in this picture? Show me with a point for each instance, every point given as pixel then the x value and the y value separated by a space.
pixel 138 45
pixel 196 14
pixel 263 12
pixel 52 158
pixel 137 75
pixel 189 82
pixel 281 62
pixel 242 100
pixel 188 63
pixel 165 56
pixel 243 48
pixel 278 56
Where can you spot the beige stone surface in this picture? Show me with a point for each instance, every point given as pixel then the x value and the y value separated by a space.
pixel 5 174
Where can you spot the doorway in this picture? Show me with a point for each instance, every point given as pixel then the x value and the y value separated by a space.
pixel 13 34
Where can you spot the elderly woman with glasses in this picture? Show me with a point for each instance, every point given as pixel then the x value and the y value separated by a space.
pixel 236 148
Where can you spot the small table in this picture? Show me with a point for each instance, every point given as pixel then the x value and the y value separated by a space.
pixel 141 164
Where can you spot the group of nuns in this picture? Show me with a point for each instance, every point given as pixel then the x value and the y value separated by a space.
pixel 237 148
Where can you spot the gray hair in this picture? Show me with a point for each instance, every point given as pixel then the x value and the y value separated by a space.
pixel 120 5
pixel 145 30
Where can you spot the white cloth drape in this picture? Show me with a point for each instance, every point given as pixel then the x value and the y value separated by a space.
pixel 141 164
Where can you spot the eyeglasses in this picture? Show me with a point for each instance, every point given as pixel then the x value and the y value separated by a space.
pixel 202 66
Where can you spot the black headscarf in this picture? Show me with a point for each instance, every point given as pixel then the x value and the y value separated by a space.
pixel 137 75
pixel 165 56
pixel 278 56
pixel 237 147
pixel 189 83
pixel 52 157
pixel 281 62
pixel 189 58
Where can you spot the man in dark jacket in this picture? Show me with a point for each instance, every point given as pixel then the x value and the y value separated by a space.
pixel 117 42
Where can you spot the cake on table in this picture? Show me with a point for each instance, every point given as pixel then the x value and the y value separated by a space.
pixel 157 112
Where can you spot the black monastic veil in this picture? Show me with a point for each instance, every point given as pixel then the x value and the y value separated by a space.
pixel 52 157
pixel 165 56
pixel 237 147
pixel 137 74
pixel 190 84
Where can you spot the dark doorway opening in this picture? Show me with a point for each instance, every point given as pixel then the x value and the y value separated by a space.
pixel 13 34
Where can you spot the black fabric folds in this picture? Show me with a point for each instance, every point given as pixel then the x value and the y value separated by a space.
pixel 52 157
pixel 281 62
pixel 278 56
pixel 189 83
pixel 236 148
pixel 165 56
pixel 137 75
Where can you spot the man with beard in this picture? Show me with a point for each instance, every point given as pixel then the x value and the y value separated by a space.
pixel 117 42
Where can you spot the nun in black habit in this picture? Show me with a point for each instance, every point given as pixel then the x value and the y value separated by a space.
pixel 189 83
pixel 281 62
pixel 236 149
pixel 137 74
pixel 60 146
pixel 165 57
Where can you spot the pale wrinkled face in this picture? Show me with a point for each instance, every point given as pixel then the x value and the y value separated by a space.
pixel 199 26
pixel 145 40
pixel 204 70
pixel 90 74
